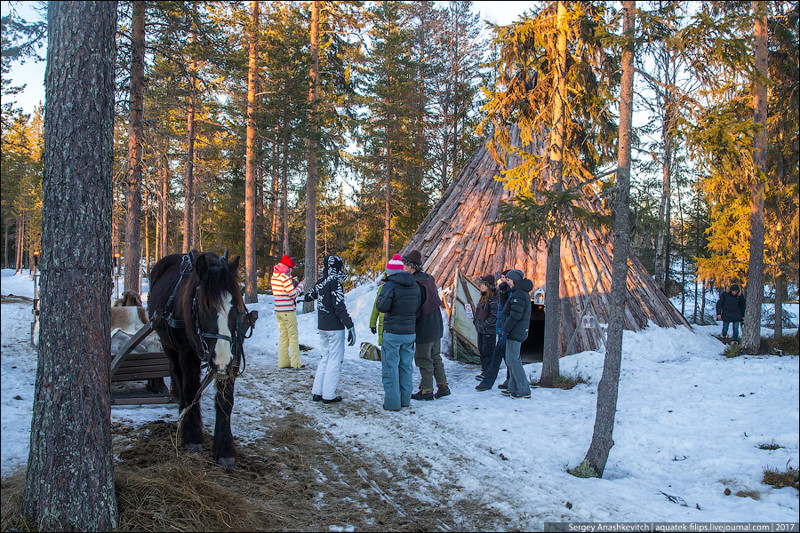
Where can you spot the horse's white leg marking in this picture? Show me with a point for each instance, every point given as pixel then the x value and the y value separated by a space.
pixel 224 355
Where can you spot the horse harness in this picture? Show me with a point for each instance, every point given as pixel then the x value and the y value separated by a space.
pixel 244 322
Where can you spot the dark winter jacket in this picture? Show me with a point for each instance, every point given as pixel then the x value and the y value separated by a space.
pixel 517 311
pixel 331 310
pixel 429 327
pixel 503 292
pixel 486 315
pixel 400 299
pixel 731 307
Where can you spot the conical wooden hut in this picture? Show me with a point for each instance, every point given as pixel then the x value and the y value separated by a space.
pixel 459 244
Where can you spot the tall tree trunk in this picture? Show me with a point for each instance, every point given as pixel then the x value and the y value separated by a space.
pixel 188 179
pixel 387 215
pixel 133 245
pixel 146 239
pixel 285 186
pixel 779 284
pixel 163 221
pixel 751 336
pixel 311 183
pixel 662 239
pixel 70 477
pixel 5 243
pixel 251 277
pixel 552 304
pixel 594 463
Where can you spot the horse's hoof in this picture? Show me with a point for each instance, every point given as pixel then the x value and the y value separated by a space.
pixel 227 462
pixel 194 448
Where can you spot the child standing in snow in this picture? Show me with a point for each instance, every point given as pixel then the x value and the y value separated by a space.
pixel 285 294
pixel 332 320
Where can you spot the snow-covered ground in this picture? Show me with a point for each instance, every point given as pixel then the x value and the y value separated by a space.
pixel 689 423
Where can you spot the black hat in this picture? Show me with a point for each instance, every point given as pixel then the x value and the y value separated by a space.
pixel 734 287
pixel 487 279
pixel 413 258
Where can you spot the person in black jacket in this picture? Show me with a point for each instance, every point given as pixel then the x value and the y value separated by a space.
pixel 399 299
pixel 429 329
pixel 332 319
pixel 485 321
pixel 499 353
pixel 730 309
pixel 516 322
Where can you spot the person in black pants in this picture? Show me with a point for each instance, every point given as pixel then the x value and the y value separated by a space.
pixel 499 353
pixel 730 309
pixel 485 321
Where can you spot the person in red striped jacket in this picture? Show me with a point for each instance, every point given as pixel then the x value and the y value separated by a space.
pixel 285 294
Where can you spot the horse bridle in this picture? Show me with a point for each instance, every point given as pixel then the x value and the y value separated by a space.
pixel 245 321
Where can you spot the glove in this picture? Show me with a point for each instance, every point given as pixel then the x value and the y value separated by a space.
pixel 374 330
pixel 307 297
pixel 351 336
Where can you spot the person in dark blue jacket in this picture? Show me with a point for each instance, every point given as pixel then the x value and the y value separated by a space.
pixel 516 322
pixel 332 319
pixel 730 309
pixel 399 299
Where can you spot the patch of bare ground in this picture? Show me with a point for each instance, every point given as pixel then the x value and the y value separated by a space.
pixel 294 478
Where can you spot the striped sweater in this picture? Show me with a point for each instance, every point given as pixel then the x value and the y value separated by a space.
pixel 283 290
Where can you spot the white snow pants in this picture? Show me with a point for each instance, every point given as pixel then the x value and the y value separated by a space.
pixel 330 366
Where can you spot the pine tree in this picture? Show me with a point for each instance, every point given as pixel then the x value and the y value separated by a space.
pixel 70 475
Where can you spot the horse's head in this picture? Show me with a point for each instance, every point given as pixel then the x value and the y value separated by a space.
pixel 221 319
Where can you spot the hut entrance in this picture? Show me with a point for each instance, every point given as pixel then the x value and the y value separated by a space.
pixel 533 347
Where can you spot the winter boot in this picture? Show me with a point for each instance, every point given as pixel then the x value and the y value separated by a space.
pixel 442 391
pixel 423 395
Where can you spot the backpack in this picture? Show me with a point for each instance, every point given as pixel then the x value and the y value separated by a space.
pixel 370 352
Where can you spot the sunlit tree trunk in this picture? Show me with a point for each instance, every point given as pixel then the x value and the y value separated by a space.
pixel 70 475
pixel 251 277
pixel 552 305
pixel 133 245
pixel 311 182
pixel 751 334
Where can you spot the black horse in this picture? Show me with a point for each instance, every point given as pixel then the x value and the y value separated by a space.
pixel 201 319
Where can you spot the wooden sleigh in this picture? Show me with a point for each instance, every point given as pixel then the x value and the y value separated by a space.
pixel 131 365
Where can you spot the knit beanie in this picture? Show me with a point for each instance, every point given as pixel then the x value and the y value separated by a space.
pixel 286 260
pixel 515 275
pixel 734 287
pixel 395 265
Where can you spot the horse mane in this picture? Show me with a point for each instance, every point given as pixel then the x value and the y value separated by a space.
pixel 217 279
pixel 163 265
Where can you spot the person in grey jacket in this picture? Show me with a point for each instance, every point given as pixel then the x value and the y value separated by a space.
pixel 400 299
pixel 516 316
pixel 332 319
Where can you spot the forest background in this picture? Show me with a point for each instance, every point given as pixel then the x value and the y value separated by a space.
pixel 400 95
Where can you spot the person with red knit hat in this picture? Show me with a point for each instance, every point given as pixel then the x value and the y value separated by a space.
pixel 400 299
pixel 285 293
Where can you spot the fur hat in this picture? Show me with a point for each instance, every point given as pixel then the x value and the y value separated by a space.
pixel 413 259
pixel 515 275
pixel 395 265
pixel 286 260
pixel 487 279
